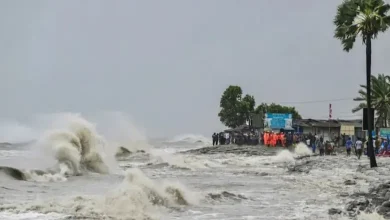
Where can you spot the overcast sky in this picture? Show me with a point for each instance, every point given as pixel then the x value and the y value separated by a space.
pixel 166 63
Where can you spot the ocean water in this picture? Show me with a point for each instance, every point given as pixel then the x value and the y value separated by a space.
pixel 76 170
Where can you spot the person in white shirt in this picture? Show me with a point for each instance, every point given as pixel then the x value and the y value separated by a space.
pixel 359 146
pixel 227 138
pixel 308 142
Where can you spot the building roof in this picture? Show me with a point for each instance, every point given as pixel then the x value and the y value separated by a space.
pixel 325 123
pixel 355 122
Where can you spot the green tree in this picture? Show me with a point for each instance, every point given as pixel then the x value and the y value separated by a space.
pixel 248 105
pixel 235 110
pixel 365 18
pixel 276 108
pixel 380 98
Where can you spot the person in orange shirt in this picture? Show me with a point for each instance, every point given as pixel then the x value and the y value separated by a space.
pixel 274 140
pixel 270 136
pixel 269 139
pixel 283 139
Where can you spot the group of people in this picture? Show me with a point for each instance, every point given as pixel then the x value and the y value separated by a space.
pixel 285 139
pixel 273 139
pixel 239 138
pixel 221 138
pixel 381 147
pixel 358 147
pixel 317 142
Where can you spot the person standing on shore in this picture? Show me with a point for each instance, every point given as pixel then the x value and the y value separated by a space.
pixel 321 147
pixel 214 139
pixel 348 145
pixel 227 138
pixel 359 146
pixel 316 144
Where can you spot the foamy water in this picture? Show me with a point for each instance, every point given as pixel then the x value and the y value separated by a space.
pixel 79 176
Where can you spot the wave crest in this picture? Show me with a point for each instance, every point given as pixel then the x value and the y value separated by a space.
pixel 190 138
pixel 76 147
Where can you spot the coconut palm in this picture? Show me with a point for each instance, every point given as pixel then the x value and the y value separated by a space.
pixel 380 99
pixel 365 18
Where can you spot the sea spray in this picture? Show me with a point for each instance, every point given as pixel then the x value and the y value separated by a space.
pixel 163 193
pixel 76 146
pixel 284 156
pixel 136 197
pixel 66 148
pixel 302 150
pixel 120 130
pixel 125 139
pixel 70 145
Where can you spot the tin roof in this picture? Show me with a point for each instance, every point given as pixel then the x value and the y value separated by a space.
pixel 325 123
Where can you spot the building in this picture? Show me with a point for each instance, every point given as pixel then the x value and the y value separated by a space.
pixel 329 128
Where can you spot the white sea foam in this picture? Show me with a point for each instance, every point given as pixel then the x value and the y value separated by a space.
pixel 137 197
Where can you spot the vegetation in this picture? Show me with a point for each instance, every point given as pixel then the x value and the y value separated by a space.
pixel 276 108
pixel 235 110
pixel 365 18
pixel 380 98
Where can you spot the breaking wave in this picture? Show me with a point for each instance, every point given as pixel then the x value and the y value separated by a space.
pixel 72 149
pixel 137 197
pixel 289 157
pixel 78 146
pixel 302 150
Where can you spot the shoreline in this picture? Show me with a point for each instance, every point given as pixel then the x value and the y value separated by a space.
pixel 252 150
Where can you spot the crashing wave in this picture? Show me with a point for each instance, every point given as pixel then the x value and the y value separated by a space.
pixel 137 197
pixel 76 148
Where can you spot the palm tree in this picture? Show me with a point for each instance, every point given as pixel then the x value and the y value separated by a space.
pixel 365 18
pixel 380 99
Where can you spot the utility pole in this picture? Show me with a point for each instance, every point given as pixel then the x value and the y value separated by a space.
pixel 330 118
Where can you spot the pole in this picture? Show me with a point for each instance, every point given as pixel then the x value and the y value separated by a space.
pixel 330 117
pixel 370 145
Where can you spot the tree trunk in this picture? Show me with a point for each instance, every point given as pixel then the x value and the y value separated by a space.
pixel 370 145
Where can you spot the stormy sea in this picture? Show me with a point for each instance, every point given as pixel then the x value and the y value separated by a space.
pixel 79 169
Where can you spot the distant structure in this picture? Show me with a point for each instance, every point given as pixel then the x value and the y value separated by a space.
pixel 335 127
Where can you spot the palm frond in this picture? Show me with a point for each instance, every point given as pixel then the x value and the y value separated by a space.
pixel 380 97
pixel 359 99
pixel 359 107
pixel 365 18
